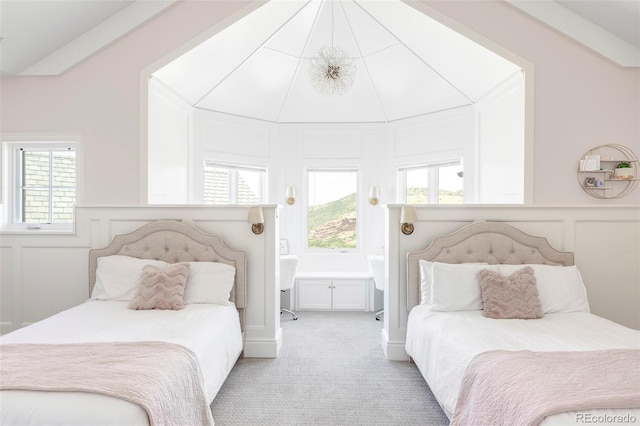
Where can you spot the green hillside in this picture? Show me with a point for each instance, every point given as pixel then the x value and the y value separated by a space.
pixel 333 224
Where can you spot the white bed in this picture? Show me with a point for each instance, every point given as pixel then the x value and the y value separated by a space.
pixel 212 331
pixel 443 342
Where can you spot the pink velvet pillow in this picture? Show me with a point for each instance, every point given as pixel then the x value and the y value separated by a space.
pixel 513 296
pixel 161 288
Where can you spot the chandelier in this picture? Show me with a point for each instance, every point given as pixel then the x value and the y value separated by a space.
pixel 332 71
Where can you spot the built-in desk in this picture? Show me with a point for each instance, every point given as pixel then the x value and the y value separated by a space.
pixel 349 291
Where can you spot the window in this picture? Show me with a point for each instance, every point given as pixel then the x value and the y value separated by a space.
pixel 333 207
pixel 41 183
pixel 439 183
pixel 233 184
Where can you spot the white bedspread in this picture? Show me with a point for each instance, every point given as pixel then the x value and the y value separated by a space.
pixel 212 332
pixel 442 344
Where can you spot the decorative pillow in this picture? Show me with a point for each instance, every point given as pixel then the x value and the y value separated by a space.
pixel 209 282
pixel 560 287
pixel 455 286
pixel 514 296
pixel 161 288
pixel 117 277
pixel 425 281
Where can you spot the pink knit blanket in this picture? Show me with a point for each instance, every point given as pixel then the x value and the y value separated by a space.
pixel 524 387
pixel 163 378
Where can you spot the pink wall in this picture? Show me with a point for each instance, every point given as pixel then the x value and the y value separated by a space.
pixel 581 99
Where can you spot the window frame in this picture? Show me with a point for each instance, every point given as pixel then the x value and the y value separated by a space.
pixel 305 233
pixel 233 189
pixel 433 178
pixel 11 143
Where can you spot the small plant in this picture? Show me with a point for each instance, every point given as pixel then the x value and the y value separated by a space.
pixel 623 165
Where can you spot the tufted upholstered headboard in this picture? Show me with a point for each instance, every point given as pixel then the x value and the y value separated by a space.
pixel 172 242
pixel 490 242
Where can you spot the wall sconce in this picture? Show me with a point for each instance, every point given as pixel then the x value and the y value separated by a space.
pixel 374 193
pixel 290 195
pixel 256 219
pixel 407 217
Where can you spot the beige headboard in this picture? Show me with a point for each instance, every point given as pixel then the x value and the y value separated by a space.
pixel 490 242
pixel 172 242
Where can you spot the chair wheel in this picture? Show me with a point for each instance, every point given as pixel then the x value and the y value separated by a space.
pixel 377 317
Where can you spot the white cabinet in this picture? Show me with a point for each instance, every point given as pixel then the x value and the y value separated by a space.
pixel 349 294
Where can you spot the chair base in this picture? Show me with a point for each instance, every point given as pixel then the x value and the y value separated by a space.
pixel 379 315
pixel 293 314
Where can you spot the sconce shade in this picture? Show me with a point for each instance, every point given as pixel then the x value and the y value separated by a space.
pixel 256 218
pixel 408 214
pixel 255 215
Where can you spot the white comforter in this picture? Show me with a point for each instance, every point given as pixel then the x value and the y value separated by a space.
pixel 442 344
pixel 212 332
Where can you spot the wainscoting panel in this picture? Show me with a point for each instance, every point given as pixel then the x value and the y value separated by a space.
pixel 43 274
pixel 605 240
pixel 6 290
pixel 54 278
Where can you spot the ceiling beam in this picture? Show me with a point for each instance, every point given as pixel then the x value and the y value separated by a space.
pixel 97 38
pixel 582 30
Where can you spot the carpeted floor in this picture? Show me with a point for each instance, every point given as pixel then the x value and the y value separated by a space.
pixel 331 371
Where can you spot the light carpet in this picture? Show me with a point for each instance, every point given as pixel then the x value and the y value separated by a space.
pixel 331 370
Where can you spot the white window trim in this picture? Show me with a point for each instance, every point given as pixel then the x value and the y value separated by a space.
pixel 10 141
pixel 304 235
pixel 433 178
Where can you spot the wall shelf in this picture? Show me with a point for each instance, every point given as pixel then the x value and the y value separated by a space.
pixel 597 171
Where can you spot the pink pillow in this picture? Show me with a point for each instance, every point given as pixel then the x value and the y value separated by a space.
pixel 514 296
pixel 161 288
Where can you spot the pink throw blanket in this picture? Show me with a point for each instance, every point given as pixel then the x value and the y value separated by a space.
pixel 524 387
pixel 163 378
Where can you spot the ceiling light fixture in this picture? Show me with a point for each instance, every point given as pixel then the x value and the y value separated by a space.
pixel 332 71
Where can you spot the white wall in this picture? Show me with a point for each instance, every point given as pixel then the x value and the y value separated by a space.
pixel 43 274
pixel 610 274
pixel 170 154
pixel 500 159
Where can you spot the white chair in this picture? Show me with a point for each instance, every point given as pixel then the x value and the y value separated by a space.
pixel 376 268
pixel 288 265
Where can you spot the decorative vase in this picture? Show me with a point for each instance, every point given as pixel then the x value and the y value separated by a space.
pixel 623 173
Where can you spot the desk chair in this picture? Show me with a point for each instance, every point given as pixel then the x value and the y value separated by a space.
pixel 288 265
pixel 376 267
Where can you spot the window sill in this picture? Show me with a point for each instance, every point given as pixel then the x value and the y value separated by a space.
pixel 36 231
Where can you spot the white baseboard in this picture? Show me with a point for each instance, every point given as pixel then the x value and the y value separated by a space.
pixel 263 348
pixel 393 351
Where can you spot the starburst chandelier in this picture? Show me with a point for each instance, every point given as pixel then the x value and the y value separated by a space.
pixel 332 71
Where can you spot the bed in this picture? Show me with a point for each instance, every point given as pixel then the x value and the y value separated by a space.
pixel 505 370
pixel 122 363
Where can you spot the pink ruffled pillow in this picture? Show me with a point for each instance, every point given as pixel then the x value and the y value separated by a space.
pixel 161 288
pixel 510 297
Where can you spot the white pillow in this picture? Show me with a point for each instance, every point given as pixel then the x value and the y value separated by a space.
pixel 560 288
pixel 425 281
pixel 456 286
pixel 209 282
pixel 117 277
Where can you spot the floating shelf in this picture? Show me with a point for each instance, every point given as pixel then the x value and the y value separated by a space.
pixel 608 156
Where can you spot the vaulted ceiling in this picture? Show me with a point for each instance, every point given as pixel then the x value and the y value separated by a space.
pixel 43 37
pixel 407 64
pixel 258 66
